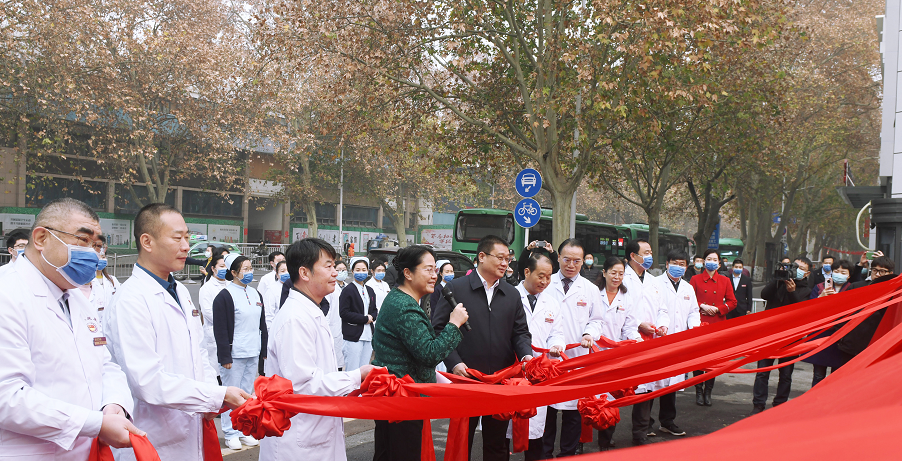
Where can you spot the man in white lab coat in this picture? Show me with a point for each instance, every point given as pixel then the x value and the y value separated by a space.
pixel 300 349
pixel 58 387
pixel 581 317
pixel 156 336
pixel 679 297
pixel 271 279
pixel 654 321
pixel 543 314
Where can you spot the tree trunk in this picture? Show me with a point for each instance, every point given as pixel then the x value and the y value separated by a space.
pixel 312 226
pixel 562 207
pixel 396 215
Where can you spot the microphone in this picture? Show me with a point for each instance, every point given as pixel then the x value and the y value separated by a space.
pixel 448 293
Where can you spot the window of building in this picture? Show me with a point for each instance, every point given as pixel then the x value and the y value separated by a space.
pixel 125 203
pixel 41 190
pixel 211 204
pixel 325 214
pixel 359 216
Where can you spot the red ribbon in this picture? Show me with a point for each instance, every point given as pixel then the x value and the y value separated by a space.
pixel 144 451
pixel 541 369
pixel 596 412
pixel 520 419
pixel 211 448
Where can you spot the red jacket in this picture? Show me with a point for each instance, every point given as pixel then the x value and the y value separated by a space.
pixel 716 291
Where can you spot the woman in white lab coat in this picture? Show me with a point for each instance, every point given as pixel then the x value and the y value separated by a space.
pixel 543 314
pixel 375 282
pixel 272 299
pixel 215 283
pixel 333 316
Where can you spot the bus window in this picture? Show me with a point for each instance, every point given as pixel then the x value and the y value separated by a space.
pixel 473 227
pixel 599 239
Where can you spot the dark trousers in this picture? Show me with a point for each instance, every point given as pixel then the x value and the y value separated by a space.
pixel 535 450
pixel 667 412
pixel 570 431
pixel 706 385
pixel 820 372
pixel 494 438
pixel 641 420
pixel 784 385
pixel 606 437
pixel 398 441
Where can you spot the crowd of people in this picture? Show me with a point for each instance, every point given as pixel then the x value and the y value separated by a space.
pixel 102 359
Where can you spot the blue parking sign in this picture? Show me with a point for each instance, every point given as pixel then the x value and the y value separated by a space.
pixel 527 213
pixel 528 183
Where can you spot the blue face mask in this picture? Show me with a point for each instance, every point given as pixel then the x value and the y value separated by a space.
pixel 864 272
pixel 448 277
pixel 711 265
pixel 379 276
pixel 360 276
pixel 800 274
pixel 101 264
pixel 676 271
pixel 247 278
pixel 81 266
pixel 647 261
pixel 20 252
pixel 839 279
pixel 737 271
pixel 284 277
pixel 221 273
pixel 827 268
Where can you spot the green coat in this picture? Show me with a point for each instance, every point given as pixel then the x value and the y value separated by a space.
pixel 406 343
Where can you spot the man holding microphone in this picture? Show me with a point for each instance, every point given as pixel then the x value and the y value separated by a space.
pixel 499 336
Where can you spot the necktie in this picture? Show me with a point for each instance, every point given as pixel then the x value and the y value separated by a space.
pixel 567 283
pixel 64 305
pixel 532 302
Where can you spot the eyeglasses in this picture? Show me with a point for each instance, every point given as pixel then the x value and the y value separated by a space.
pixel 572 262
pixel 429 270
pixel 20 246
pixel 502 259
pixel 881 272
pixel 85 240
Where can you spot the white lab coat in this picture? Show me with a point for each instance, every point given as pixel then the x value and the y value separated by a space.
pixel 54 379
pixel 581 312
pixel 683 308
pixel 620 321
pixel 300 350
pixel 158 345
pixel 205 296
pixel 546 328
pixel 380 288
pixel 267 283
pixel 102 291
pixel 648 306
pixel 271 303
pixel 334 320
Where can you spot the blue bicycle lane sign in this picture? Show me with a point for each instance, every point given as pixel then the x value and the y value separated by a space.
pixel 527 213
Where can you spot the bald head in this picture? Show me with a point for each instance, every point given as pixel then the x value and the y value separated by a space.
pixel 57 213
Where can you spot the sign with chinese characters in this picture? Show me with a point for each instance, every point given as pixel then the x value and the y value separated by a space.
pixel 117 232
pixel 12 221
pixel 224 233
pixel 438 238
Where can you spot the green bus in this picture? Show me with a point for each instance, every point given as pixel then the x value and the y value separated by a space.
pixel 600 239
pixel 730 249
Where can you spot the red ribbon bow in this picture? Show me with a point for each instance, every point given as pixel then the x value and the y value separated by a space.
pixel 261 418
pixel 597 413
pixel 627 392
pixel 520 418
pixel 541 369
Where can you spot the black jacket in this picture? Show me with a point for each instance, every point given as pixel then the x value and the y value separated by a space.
pixel 500 334
pixel 743 296
pixel 224 326
pixel 691 272
pixel 855 341
pixel 591 273
pixel 776 295
pixel 350 309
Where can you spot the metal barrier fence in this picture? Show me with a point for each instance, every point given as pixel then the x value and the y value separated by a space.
pixel 4 258
pixel 120 266
pixel 260 256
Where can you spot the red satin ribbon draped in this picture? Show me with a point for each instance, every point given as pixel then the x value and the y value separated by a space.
pixel 211 448
pixel 144 451
pixel 722 347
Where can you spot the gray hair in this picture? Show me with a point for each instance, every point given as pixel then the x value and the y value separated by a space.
pixel 57 212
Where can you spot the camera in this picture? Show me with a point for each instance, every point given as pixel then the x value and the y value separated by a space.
pixel 541 244
pixel 785 271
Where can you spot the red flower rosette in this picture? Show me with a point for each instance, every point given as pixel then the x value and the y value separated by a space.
pixel 595 412
pixel 627 392
pixel 541 369
pixel 260 418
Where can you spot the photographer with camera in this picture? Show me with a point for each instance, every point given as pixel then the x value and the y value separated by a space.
pixel 789 286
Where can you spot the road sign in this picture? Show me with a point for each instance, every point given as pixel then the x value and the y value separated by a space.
pixel 528 183
pixel 714 241
pixel 527 213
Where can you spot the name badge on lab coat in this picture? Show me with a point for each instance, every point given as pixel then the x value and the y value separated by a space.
pixel 100 341
pixel 549 317
pixel 92 325
pixel 581 303
pixel 195 313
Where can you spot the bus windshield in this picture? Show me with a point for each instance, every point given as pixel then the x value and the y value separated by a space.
pixel 473 227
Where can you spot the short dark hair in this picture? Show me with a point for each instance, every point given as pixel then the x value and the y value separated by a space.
pixel 486 245
pixel 571 242
pixel 279 264
pixel 843 264
pixel 376 263
pixel 828 256
pixel 236 266
pixel 610 262
pixel 340 261
pixel 697 257
pixel 363 261
pixel 272 256
pixel 412 256
pixel 305 253
pixel 533 260
pixel 884 262
pixel 677 255
pixel 147 221
pixel 711 251
pixel 738 261
pixel 15 237
pixel 804 259
pixel 633 246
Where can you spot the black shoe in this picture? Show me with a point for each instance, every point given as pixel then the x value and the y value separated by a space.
pixel 640 442
pixel 757 409
pixel 606 446
pixel 699 398
pixel 672 429
pixel 651 433
pixel 708 397
pixel 579 449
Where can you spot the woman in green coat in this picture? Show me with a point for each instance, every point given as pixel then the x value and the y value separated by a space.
pixel 406 344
